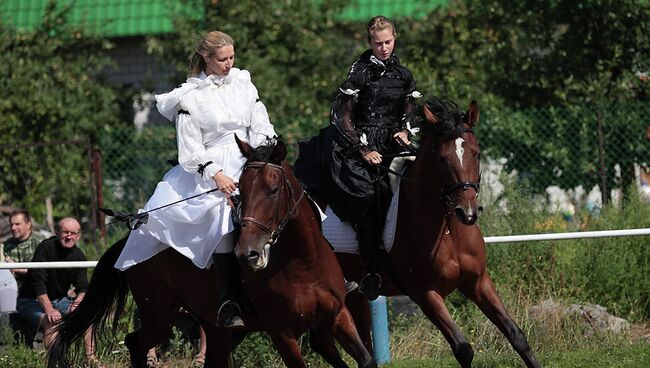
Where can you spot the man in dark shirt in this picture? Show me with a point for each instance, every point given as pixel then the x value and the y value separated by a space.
pixel 43 297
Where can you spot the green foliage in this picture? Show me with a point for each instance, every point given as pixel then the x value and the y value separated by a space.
pixel 50 93
pixel 608 271
pixel 537 53
pixel 560 145
pixel 297 54
pixel 133 162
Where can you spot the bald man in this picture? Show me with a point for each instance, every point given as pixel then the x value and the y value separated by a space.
pixel 43 297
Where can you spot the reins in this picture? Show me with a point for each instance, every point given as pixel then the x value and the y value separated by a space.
pixel 275 233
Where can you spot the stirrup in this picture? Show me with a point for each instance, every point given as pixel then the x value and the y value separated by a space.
pixel 350 286
pixel 370 285
pixel 229 315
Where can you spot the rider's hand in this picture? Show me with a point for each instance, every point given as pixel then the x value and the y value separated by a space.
pixel 404 136
pixel 224 183
pixel 372 157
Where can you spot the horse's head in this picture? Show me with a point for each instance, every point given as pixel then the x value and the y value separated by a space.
pixel 267 202
pixel 456 155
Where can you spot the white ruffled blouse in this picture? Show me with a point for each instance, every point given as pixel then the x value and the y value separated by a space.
pixel 209 111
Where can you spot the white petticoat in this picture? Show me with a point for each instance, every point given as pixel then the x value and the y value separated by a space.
pixel 196 228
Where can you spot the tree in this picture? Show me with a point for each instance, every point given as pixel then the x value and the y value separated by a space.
pixel 51 92
pixel 296 51
pixel 561 61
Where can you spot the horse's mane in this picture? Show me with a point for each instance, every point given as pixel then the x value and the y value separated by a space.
pixel 263 151
pixel 451 117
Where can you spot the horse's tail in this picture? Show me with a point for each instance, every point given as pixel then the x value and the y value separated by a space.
pixel 104 301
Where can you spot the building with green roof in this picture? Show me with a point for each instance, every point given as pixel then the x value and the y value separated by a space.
pixel 128 18
pixel 127 22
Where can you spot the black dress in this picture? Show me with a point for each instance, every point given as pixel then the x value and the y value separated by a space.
pixel 372 105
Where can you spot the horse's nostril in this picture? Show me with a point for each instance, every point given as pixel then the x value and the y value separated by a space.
pixel 253 256
pixel 480 210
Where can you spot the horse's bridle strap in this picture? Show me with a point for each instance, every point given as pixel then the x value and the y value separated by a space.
pixel 275 234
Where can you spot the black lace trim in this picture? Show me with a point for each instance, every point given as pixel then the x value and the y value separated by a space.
pixel 202 167
pixel 183 112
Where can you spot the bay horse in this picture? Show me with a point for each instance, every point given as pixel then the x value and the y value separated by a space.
pixel 303 278
pixel 438 246
pixel 300 295
pixel 159 286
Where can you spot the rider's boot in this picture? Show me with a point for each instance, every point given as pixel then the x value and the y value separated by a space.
pixel 368 236
pixel 226 269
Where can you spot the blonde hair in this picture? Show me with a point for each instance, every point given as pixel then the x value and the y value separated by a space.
pixel 379 23
pixel 208 47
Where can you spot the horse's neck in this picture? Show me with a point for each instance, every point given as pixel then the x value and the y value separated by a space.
pixel 426 184
pixel 304 223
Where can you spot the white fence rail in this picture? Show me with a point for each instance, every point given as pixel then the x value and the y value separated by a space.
pixel 488 240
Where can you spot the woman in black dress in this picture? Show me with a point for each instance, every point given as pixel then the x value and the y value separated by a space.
pixel 371 112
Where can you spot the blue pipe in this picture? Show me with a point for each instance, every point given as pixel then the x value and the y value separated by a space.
pixel 380 336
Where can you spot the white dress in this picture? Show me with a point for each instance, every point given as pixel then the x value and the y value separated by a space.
pixel 208 111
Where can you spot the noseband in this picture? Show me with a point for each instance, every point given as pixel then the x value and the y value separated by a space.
pixel 447 193
pixel 286 185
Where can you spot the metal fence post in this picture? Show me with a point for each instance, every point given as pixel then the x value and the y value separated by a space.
pixel 380 337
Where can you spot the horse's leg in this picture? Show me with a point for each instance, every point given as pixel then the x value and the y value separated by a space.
pixel 156 328
pixel 360 309
pixel 137 355
pixel 321 342
pixel 220 343
pixel 433 306
pixel 485 295
pixel 289 350
pixel 346 334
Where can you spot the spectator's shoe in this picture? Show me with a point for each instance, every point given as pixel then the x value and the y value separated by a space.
pixel 199 361
pixel 229 315
pixel 152 361
pixel 370 285
pixel 93 362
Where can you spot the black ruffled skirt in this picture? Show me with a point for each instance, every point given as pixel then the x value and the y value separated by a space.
pixel 354 189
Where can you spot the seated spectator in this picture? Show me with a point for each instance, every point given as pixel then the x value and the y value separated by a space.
pixel 20 247
pixel 43 297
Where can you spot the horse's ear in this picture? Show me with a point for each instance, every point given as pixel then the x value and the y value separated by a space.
pixel 244 147
pixel 279 152
pixel 431 117
pixel 472 114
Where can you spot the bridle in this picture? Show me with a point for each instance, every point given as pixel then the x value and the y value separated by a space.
pixel 286 186
pixel 448 192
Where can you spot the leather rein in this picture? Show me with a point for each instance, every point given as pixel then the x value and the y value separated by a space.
pixel 286 186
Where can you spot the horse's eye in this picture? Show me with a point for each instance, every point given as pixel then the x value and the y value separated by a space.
pixel 274 192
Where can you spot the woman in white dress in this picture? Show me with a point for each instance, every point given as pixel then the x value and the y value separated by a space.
pixel 216 103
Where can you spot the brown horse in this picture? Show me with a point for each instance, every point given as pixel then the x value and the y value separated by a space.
pixel 298 293
pixel 160 286
pixel 438 247
pixel 302 278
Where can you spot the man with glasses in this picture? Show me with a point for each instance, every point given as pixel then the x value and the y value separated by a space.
pixel 43 298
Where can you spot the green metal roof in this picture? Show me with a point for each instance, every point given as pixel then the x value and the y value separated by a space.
pixel 363 10
pixel 117 18
pixel 109 17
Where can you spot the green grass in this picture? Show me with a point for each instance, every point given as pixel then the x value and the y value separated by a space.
pixel 626 356
pixel 612 272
